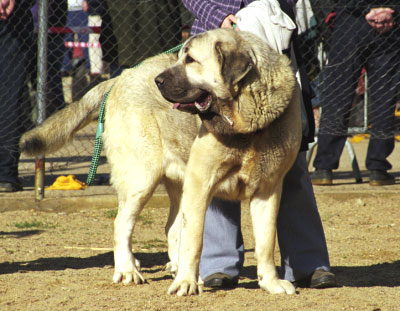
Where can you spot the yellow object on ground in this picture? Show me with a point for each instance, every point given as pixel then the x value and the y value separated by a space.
pixel 67 183
pixel 397 111
pixel 357 138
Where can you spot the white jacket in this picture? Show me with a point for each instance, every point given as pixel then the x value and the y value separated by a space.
pixel 266 19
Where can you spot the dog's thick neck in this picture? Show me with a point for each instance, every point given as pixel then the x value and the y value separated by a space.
pixel 223 132
pixel 261 99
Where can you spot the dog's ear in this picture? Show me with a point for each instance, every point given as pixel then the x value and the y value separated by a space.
pixel 234 64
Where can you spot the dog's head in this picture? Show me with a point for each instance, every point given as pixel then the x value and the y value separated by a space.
pixel 212 70
pixel 208 69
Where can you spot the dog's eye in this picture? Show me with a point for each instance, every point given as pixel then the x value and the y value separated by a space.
pixel 189 59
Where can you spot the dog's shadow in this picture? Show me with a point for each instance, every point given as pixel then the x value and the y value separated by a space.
pixel 384 275
pixel 20 234
pixel 150 263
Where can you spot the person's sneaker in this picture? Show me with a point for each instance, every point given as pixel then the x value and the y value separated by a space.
pixel 322 177
pixel 319 279
pixel 10 187
pixel 220 280
pixel 380 178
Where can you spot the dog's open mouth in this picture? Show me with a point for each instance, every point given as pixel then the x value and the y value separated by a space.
pixel 202 103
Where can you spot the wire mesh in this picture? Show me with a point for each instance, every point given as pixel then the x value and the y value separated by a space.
pixel 354 69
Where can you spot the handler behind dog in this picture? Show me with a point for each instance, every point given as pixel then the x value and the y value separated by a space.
pixel 304 254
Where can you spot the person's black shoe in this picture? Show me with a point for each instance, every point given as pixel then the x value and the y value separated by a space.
pixel 322 177
pixel 323 279
pixel 380 178
pixel 220 280
pixel 319 279
pixel 10 186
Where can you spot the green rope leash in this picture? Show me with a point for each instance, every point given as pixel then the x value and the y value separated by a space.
pixel 174 49
pixel 98 142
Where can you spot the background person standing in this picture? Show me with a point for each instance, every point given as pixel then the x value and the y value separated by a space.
pixel 16 33
pixel 366 33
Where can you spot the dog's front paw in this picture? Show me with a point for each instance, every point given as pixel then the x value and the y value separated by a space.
pixel 185 288
pixel 129 275
pixel 277 286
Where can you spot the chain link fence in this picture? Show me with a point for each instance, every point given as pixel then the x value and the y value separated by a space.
pixel 93 40
pixel 353 67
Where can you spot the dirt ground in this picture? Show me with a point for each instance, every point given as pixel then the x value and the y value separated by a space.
pixel 57 255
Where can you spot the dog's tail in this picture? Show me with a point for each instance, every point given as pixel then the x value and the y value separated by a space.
pixel 61 127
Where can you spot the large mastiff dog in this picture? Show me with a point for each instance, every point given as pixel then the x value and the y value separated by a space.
pixel 239 134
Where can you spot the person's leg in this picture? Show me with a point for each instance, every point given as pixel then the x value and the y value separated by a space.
pixel 300 233
pixel 95 54
pixel 383 78
pixel 329 150
pixel 377 153
pixel 341 77
pixel 81 20
pixel 55 55
pixel 14 61
pixel 336 104
pixel 223 249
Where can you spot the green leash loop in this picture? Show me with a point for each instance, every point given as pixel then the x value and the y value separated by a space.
pixel 98 142
pixel 174 49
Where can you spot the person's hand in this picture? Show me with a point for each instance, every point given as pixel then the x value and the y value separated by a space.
pixel 381 19
pixel 229 21
pixel 6 7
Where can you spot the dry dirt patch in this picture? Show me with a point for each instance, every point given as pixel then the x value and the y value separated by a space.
pixel 63 261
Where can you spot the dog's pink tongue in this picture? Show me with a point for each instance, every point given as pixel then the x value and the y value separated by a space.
pixel 176 105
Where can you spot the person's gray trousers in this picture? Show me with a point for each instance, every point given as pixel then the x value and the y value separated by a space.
pixel 300 233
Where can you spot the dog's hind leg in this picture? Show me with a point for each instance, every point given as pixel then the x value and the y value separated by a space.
pixel 133 194
pixel 174 224
pixel 264 211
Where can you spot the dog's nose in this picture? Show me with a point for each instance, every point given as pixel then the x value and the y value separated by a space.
pixel 159 80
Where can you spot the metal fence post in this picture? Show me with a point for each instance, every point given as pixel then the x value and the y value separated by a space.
pixel 366 101
pixel 41 90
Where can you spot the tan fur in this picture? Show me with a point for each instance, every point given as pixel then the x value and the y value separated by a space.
pixel 60 128
pixel 242 152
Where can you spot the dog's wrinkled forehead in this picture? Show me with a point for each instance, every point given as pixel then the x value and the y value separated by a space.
pixel 202 46
pixel 199 45
pixel 215 61
pixel 204 55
